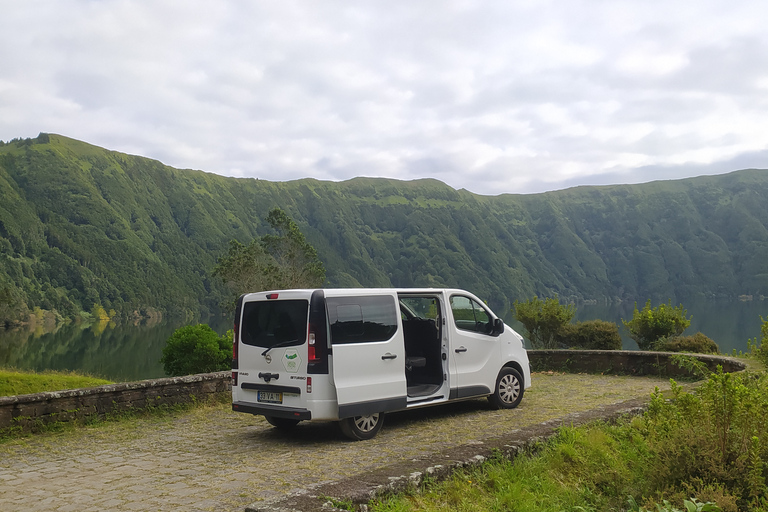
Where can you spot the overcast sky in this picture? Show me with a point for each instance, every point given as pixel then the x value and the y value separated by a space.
pixel 513 96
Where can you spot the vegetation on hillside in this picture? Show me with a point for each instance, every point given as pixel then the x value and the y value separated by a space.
pixel 80 226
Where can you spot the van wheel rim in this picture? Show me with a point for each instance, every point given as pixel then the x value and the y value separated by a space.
pixel 509 388
pixel 367 423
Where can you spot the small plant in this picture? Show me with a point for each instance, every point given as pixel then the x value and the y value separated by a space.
pixel 699 343
pixel 196 349
pixel 652 324
pixel 691 505
pixel 693 366
pixel 543 319
pixel 590 335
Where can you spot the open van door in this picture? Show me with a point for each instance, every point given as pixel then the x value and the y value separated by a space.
pixel 368 353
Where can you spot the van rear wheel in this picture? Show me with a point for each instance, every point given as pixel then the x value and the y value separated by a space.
pixel 281 423
pixel 360 428
pixel 509 389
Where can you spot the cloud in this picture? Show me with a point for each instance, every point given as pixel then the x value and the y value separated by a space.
pixel 489 96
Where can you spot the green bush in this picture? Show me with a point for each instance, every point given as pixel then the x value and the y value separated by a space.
pixel 196 349
pixel 543 319
pixel 699 343
pixel 761 351
pixel 653 324
pixel 697 451
pixel 590 335
pixel 716 436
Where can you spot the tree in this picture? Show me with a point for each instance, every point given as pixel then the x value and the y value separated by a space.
pixel 196 349
pixel 297 264
pixel 543 320
pixel 245 267
pixel 653 324
pixel 275 261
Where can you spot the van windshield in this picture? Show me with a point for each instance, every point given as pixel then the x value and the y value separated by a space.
pixel 272 322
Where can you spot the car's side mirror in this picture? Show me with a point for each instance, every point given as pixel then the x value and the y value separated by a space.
pixel 498 326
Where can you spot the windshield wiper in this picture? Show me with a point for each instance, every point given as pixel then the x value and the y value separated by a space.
pixel 281 344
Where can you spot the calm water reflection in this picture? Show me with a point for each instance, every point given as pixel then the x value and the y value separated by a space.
pixel 124 353
pixel 116 352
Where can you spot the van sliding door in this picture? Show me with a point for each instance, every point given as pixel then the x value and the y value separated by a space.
pixel 368 353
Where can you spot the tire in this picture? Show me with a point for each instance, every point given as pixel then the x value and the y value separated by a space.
pixel 361 428
pixel 509 389
pixel 281 423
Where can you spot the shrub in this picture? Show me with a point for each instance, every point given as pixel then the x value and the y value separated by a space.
pixel 590 335
pixel 761 351
pixel 543 319
pixel 652 324
pixel 196 349
pixel 716 435
pixel 698 343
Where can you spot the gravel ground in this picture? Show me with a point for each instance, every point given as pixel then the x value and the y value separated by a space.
pixel 212 459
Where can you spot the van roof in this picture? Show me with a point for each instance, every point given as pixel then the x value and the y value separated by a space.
pixel 332 292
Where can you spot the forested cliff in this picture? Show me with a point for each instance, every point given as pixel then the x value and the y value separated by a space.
pixel 81 225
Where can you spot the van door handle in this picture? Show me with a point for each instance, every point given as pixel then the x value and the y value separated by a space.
pixel 461 349
pixel 389 356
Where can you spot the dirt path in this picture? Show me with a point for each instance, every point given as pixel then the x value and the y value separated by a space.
pixel 214 459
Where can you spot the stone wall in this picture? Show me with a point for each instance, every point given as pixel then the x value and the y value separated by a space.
pixel 625 362
pixel 30 412
pixel 27 413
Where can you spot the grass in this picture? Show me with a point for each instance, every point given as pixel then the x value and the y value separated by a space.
pixel 683 448
pixel 593 468
pixel 564 474
pixel 16 382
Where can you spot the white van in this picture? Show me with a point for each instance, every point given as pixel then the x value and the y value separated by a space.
pixel 352 355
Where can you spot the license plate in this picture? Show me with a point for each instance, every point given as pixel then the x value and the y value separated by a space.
pixel 270 397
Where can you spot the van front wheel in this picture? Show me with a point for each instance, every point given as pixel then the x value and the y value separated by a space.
pixel 360 428
pixel 509 389
pixel 281 423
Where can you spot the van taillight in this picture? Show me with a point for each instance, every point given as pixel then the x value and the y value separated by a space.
pixel 309 384
pixel 317 335
pixel 235 340
pixel 312 348
pixel 236 328
pixel 235 343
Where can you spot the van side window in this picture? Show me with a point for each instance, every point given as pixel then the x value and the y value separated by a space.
pixel 362 319
pixel 468 315
pixel 267 323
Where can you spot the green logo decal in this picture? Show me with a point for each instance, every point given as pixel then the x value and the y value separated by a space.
pixel 291 360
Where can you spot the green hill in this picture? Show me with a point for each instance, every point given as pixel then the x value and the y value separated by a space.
pixel 81 225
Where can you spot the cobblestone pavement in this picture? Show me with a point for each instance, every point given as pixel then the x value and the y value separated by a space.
pixel 212 459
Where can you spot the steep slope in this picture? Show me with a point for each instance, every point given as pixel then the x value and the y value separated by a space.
pixel 80 225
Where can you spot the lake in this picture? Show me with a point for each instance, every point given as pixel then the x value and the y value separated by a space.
pixel 132 352
pixel 117 352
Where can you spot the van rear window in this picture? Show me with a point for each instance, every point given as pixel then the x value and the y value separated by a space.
pixel 362 319
pixel 269 323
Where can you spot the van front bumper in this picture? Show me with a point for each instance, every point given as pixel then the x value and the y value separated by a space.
pixel 275 411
